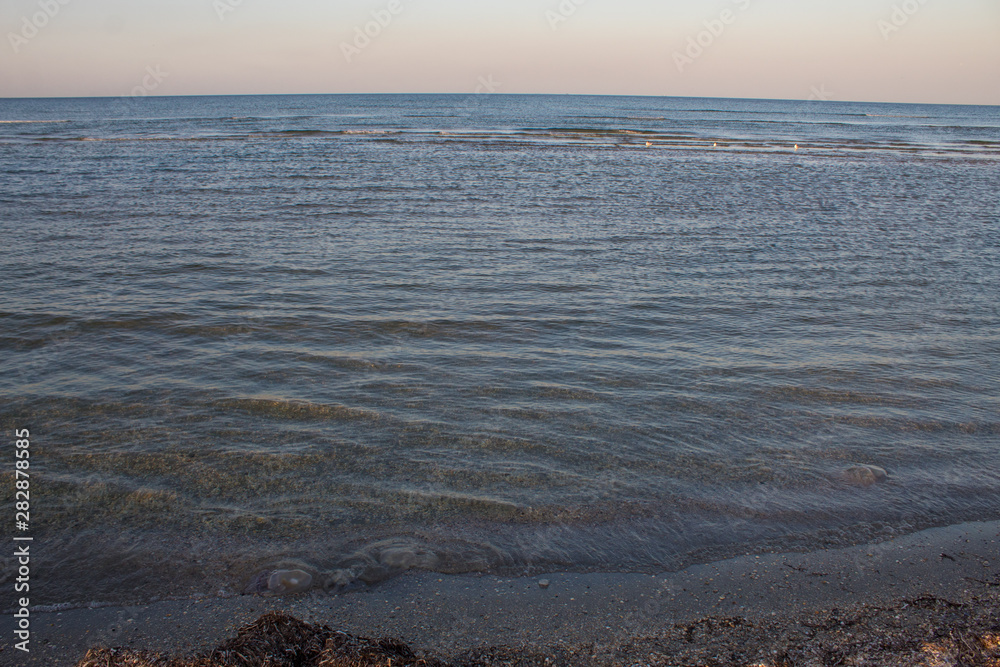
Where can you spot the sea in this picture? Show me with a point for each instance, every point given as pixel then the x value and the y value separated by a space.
pixel 362 335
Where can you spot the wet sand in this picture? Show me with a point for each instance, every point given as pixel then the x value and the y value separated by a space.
pixel 771 605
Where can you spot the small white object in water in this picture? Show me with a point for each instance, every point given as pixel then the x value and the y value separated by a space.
pixel 865 475
pixel 287 582
pixel 796 147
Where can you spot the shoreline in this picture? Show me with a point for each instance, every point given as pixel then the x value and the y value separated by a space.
pixel 599 615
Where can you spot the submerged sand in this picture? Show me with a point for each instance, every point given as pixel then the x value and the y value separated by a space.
pixel 930 599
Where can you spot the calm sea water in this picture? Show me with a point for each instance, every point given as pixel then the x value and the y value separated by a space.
pixel 360 334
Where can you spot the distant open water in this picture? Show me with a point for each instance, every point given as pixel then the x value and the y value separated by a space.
pixel 361 334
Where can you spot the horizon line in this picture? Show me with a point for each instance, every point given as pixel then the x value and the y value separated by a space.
pixel 383 94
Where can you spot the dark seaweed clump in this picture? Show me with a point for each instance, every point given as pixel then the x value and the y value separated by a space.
pixel 923 632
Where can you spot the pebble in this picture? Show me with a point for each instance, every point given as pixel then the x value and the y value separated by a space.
pixel 543 583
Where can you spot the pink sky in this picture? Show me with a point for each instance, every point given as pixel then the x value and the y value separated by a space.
pixel 878 50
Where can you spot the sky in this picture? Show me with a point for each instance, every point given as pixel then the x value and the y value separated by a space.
pixel 922 51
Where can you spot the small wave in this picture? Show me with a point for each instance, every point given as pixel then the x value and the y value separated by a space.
pixel 427 328
pixel 744 112
pixel 346 362
pixel 64 139
pixel 617 117
pixel 597 131
pixel 833 396
pixel 293 271
pixel 305 133
pixel 913 425
pixel 16 122
pixel 550 391
pixel 153 321
pixel 297 410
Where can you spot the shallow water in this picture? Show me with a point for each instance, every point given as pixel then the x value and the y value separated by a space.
pixel 355 335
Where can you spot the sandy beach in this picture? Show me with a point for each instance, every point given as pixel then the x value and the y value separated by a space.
pixel 911 600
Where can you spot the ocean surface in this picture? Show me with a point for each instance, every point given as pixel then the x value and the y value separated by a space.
pixel 365 334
